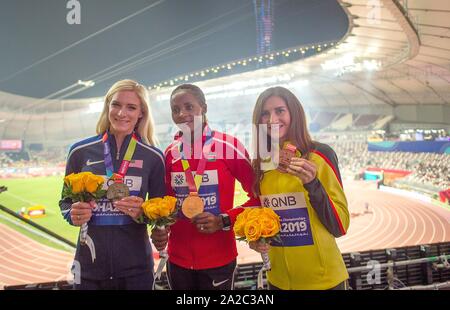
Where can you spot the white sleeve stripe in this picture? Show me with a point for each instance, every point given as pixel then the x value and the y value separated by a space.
pixel 232 146
pixel 154 151
pixel 82 146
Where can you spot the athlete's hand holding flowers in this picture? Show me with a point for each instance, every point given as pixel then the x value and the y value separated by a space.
pixel 161 213
pixel 83 189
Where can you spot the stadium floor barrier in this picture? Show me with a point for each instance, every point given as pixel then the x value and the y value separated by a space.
pixel 421 267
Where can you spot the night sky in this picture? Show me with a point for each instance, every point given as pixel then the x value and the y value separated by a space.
pixel 176 36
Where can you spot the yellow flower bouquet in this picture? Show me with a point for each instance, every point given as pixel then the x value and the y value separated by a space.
pixel 83 186
pixel 161 212
pixel 261 225
pixel 257 224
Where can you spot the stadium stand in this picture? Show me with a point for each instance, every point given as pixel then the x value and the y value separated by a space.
pixel 366 121
pixel 427 169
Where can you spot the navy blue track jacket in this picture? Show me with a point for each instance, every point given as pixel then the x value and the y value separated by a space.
pixel 122 246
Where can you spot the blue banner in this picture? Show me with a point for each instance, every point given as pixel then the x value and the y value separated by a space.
pixel 440 147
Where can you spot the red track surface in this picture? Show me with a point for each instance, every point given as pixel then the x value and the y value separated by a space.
pixel 24 261
pixel 393 221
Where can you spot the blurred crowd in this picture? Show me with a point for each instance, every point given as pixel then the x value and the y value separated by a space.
pixel 428 169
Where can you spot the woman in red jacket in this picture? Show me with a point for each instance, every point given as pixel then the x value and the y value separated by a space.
pixel 202 163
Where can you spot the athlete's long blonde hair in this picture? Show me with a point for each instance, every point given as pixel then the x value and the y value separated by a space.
pixel 145 127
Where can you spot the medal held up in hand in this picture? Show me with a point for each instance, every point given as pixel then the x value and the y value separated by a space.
pixel 117 191
pixel 192 205
pixel 286 154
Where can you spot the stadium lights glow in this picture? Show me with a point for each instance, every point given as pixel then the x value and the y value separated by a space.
pixel 298 84
pixel 259 58
pixel 238 85
pixel 371 65
pixel 244 87
pixel 95 107
pixel 89 83
pixel 345 61
pixel 350 63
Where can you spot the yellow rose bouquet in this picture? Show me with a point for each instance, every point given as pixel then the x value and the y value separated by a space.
pixel 161 212
pixel 84 187
pixel 261 225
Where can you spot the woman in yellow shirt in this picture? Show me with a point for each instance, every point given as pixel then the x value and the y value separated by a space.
pixel 306 192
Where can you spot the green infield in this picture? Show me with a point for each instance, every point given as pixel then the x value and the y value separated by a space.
pixel 41 191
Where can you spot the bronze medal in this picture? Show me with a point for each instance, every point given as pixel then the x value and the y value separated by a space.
pixel 192 205
pixel 286 154
pixel 117 191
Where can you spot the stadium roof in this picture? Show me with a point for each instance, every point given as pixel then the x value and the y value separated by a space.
pixel 43 56
pixel 391 55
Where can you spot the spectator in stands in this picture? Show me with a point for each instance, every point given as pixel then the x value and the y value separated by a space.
pixel 307 256
pixel 202 250
pixel 124 135
pixel 429 170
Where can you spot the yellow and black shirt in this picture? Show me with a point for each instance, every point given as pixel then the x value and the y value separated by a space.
pixel 312 215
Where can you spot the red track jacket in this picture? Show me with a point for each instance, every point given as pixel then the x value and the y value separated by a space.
pixel 227 161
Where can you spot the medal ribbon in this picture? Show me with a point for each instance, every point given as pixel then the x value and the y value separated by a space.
pixel 194 182
pixel 118 177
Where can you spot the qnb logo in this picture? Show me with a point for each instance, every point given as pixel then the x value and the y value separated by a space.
pixel 74 15
pixel 127 181
pixel 285 201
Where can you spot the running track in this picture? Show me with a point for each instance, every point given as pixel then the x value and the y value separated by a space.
pixel 393 221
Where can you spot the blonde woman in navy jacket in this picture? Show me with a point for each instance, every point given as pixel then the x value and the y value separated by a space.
pixel 123 253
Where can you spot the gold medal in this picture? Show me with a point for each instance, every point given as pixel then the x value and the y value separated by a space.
pixel 192 205
pixel 117 191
